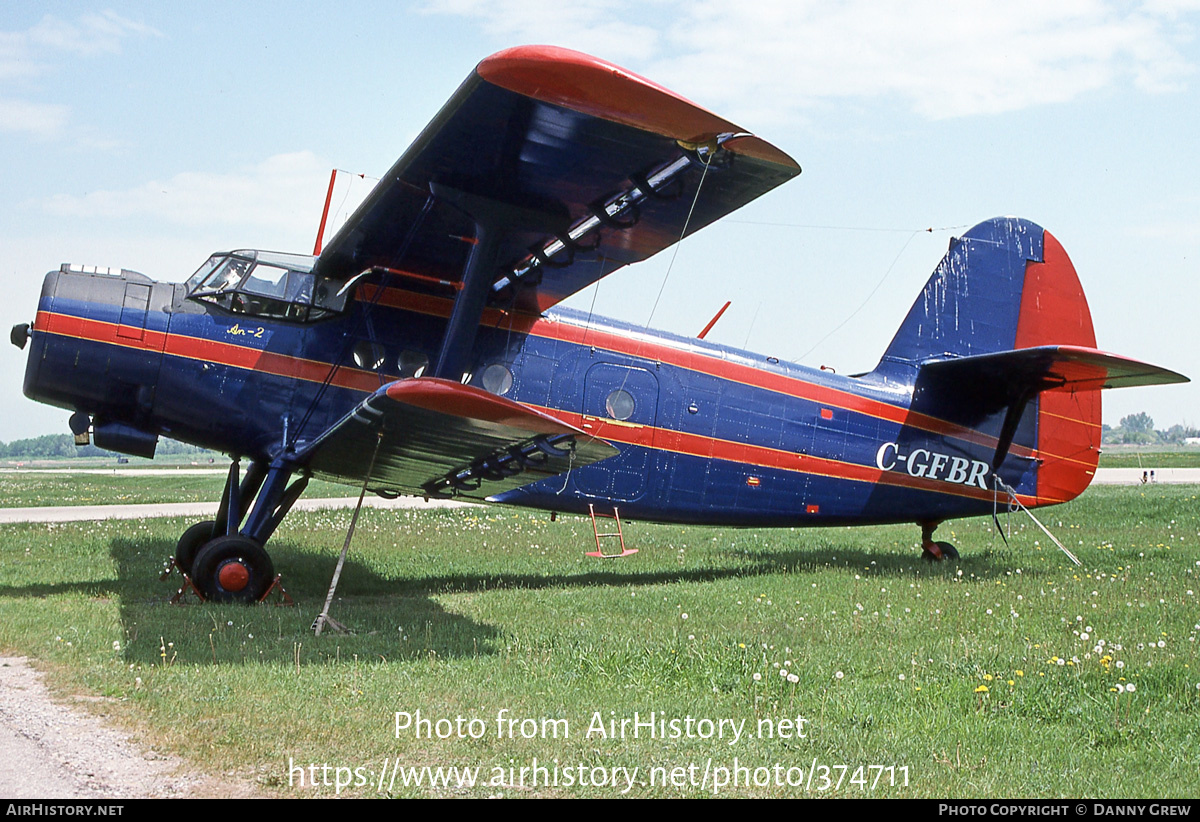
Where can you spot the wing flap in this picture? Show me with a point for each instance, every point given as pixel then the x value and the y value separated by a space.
pixel 441 438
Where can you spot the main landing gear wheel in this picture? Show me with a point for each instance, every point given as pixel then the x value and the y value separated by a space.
pixel 233 569
pixel 190 543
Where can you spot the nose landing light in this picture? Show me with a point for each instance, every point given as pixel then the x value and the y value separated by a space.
pixel 19 335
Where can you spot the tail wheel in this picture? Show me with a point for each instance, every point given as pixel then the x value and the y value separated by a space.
pixel 233 569
pixel 948 550
pixel 938 551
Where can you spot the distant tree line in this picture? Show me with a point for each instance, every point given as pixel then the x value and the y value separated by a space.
pixel 63 445
pixel 1138 429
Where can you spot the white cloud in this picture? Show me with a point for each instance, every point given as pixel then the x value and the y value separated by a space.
pixel 600 27
pixel 40 119
pixel 278 193
pixel 91 34
pixel 938 59
pixel 29 53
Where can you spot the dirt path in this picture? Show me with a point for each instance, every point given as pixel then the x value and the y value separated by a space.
pixel 52 751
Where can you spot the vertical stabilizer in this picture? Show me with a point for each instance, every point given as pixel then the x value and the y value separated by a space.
pixel 1006 284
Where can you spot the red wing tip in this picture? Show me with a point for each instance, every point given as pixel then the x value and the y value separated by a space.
pixel 506 66
pixel 598 88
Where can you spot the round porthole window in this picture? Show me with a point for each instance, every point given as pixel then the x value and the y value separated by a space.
pixel 412 363
pixel 369 355
pixel 619 404
pixel 497 379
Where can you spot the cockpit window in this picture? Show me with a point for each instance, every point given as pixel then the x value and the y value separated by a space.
pixel 265 284
pixel 203 271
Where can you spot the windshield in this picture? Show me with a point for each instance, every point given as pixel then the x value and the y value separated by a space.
pixel 264 284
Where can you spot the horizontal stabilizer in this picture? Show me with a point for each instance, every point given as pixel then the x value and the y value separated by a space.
pixel 1006 375
pixel 441 438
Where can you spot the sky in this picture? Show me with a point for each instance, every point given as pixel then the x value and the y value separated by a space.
pixel 148 135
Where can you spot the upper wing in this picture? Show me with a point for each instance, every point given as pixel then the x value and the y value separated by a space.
pixel 579 166
pixel 441 438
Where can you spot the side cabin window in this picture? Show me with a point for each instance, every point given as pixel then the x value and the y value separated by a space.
pixel 265 284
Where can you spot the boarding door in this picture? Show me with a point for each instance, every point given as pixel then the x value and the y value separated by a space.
pixel 620 405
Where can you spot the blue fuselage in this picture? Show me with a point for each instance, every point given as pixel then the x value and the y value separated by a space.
pixel 706 433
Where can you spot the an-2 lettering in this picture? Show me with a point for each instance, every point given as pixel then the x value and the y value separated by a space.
pixel 237 331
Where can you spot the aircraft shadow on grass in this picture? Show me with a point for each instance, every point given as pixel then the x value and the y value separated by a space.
pixel 375 606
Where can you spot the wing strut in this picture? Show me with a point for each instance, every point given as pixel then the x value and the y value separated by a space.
pixel 493 220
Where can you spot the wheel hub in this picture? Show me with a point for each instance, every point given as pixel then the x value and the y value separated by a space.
pixel 233 575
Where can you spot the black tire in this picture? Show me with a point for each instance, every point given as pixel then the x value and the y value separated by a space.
pixel 233 569
pixel 948 550
pixel 191 542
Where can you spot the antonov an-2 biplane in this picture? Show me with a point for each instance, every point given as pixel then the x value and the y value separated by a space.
pixel 420 352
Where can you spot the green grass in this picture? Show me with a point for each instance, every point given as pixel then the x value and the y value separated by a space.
pixel 1150 457
pixel 33 489
pixel 470 612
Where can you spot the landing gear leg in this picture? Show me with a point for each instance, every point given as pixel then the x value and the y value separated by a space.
pixel 935 551
pixel 231 565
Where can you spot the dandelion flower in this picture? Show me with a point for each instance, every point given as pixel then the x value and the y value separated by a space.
pixel 982 689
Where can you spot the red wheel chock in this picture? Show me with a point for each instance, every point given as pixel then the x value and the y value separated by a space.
pixel 170 567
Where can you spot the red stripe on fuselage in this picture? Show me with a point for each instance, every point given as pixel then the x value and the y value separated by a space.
pixel 761 456
pixel 701 363
pixel 198 348
pixel 647 436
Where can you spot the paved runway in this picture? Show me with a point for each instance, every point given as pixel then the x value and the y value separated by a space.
pixel 1133 476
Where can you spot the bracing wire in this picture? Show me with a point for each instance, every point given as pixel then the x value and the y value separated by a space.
pixel 670 264
pixel 874 290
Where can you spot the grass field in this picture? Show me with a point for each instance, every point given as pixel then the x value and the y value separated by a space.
pixel 35 489
pixel 1150 456
pixel 1009 673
